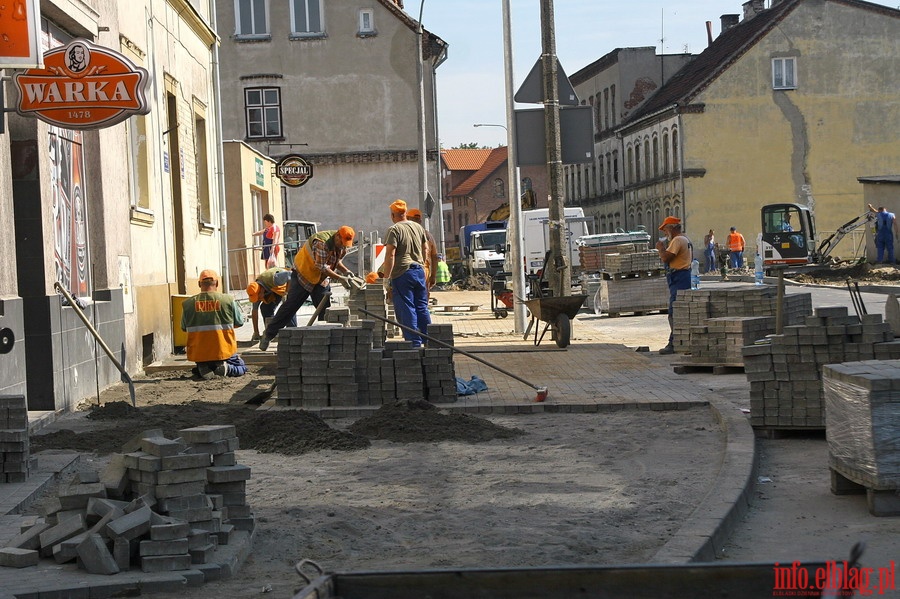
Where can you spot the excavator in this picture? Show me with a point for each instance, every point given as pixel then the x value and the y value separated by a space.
pixel 789 235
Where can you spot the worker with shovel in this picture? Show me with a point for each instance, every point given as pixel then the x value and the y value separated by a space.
pixel 316 263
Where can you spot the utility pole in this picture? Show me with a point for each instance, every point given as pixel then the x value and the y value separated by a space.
pixel 559 275
pixel 420 76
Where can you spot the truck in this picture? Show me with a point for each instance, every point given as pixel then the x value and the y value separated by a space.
pixel 482 247
pixel 536 232
pixel 294 235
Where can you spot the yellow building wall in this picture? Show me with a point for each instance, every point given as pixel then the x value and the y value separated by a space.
pixel 760 146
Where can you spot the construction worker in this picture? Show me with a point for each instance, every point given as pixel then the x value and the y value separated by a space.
pixel 443 272
pixel 266 293
pixel 431 256
pixel 405 247
pixel 885 232
pixel 316 263
pixel 735 243
pixel 677 254
pixel 209 318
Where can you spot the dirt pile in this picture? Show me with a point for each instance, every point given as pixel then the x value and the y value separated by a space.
pixel 417 421
pixel 288 432
pixel 838 274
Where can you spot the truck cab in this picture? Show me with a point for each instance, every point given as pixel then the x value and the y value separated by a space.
pixel 788 235
pixel 484 248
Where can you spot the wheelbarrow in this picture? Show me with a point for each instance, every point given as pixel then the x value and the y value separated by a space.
pixel 556 312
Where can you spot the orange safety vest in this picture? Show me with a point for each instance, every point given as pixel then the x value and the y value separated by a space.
pixel 735 242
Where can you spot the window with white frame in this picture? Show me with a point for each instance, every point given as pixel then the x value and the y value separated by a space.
pixel 784 73
pixel 306 18
pixel 366 21
pixel 251 18
pixel 262 106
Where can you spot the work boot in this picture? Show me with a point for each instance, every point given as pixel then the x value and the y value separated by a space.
pixel 665 351
pixel 264 342
pixel 204 372
pixel 221 369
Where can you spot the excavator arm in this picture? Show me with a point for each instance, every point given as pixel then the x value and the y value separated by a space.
pixel 825 248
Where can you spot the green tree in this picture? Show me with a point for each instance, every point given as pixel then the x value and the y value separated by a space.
pixel 470 146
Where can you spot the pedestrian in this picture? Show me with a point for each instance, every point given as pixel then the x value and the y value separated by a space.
pixel 736 248
pixel 443 272
pixel 271 241
pixel 431 255
pixel 266 293
pixel 677 253
pixel 209 318
pixel 316 263
pixel 709 251
pixel 404 257
pixel 885 232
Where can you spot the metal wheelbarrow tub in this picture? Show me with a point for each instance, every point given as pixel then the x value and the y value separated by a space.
pixel 558 313
pixel 683 581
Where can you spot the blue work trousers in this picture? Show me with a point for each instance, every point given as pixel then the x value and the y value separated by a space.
pixel 884 240
pixel 296 295
pixel 410 297
pixel 737 259
pixel 676 279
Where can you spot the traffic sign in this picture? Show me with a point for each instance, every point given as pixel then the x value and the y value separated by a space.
pixel 532 89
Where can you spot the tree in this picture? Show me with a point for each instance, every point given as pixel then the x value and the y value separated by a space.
pixel 470 146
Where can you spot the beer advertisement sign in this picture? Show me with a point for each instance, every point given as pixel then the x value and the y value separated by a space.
pixel 83 86
pixel 20 42
pixel 293 170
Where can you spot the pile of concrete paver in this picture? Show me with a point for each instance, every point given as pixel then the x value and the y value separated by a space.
pixel 162 505
pixel 16 463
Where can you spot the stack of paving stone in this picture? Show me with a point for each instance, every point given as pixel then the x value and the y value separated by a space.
pixel 635 262
pixel 338 315
pixel 165 505
pixel 637 292
pixel 372 298
pixel 785 374
pixel 16 463
pixel 721 340
pixel 693 308
pixel 327 366
pixel 594 258
pixel 863 427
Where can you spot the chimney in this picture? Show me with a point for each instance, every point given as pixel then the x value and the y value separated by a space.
pixel 729 21
pixel 753 8
pixel 709 37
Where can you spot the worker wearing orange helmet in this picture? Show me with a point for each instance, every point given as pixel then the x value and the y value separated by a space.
pixel 266 293
pixel 316 263
pixel 405 247
pixel 677 253
pixel 431 254
pixel 209 319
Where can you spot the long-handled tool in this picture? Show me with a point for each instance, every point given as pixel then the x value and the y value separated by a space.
pixel 261 397
pixel 541 390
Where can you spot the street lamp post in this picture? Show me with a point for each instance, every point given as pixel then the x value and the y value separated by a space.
pixel 514 225
pixel 420 74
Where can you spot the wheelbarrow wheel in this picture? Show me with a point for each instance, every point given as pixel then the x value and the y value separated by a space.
pixel 563 330
pixel 502 313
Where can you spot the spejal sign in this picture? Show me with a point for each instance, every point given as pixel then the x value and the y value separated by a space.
pixel 293 170
pixel 83 86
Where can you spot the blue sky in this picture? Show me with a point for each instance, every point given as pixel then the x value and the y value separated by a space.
pixel 471 81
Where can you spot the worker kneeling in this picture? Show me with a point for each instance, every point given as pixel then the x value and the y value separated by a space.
pixel 209 318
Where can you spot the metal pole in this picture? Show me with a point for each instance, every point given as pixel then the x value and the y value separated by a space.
pixel 420 74
pixel 87 323
pixel 560 276
pixel 515 227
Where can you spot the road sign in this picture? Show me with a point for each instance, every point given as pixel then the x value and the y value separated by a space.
pixel 576 126
pixel 532 89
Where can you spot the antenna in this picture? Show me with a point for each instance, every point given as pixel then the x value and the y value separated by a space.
pixel 662 47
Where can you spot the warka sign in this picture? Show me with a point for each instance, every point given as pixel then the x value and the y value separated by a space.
pixel 83 86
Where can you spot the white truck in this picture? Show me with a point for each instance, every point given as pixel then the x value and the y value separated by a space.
pixel 483 245
pixel 536 232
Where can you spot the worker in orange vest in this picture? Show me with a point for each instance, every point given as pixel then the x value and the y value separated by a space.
pixel 736 249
